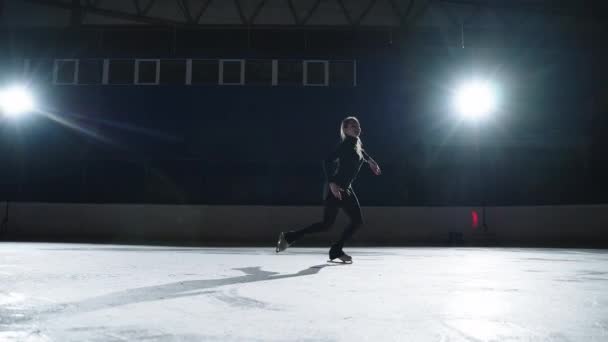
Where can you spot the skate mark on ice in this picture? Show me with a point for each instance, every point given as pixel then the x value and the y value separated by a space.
pixel 593 273
pixel 550 259
pixel 127 333
pixel 460 333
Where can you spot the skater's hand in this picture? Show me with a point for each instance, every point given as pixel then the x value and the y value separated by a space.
pixel 335 190
pixel 375 168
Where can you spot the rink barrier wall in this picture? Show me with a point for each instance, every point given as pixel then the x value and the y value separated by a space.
pixel 258 225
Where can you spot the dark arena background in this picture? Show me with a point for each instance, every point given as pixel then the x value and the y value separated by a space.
pixel 206 106
pixel 158 158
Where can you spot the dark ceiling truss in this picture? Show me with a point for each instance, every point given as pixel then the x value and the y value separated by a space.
pixel 407 11
pixel 455 19
pixel 145 9
pixel 202 11
pixel 90 7
pixel 311 11
pixel 189 12
pixel 292 9
pixel 567 8
pixel 349 19
pixel 141 8
pixel 404 16
pixel 256 12
pixel 83 12
pixel 239 8
pixel 185 9
pixel 366 11
pixel 249 20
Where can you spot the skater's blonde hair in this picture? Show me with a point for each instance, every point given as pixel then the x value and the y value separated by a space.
pixel 343 125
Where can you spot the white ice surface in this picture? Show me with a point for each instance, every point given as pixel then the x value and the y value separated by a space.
pixel 76 292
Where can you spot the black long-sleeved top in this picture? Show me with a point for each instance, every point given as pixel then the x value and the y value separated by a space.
pixel 345 171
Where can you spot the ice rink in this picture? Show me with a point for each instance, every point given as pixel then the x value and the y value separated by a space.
pixel 81 292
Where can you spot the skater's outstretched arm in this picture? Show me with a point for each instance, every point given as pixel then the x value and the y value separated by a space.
pixel 372 163
pixel 366 156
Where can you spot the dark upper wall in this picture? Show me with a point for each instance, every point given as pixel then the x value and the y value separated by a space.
pixel 134 42
pixel 262 144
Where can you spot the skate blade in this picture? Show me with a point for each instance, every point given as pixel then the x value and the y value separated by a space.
pixel 340 262
pixel 278 248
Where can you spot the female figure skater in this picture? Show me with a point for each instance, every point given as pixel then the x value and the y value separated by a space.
pixel 350 156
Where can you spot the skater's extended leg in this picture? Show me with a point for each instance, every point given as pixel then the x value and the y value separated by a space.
pixel 330 212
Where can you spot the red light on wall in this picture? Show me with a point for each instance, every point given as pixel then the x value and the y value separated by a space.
pixel 474 219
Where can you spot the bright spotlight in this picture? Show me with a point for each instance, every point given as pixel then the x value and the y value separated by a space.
pixel 15 100
pixel 475 100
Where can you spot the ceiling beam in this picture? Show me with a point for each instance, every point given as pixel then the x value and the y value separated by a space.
pixel 256 12
pixel 110 13
pixel 185 9
pixel 145 9
pixel 202 11
pixel 349 19
pixel 365 12
pixel 565 8
pixel 311 11
pixel 292 9
pixel 241 13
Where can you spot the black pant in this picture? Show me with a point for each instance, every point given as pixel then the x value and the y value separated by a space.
pixel 350 204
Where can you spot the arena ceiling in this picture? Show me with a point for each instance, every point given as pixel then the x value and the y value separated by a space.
pixel 501 14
